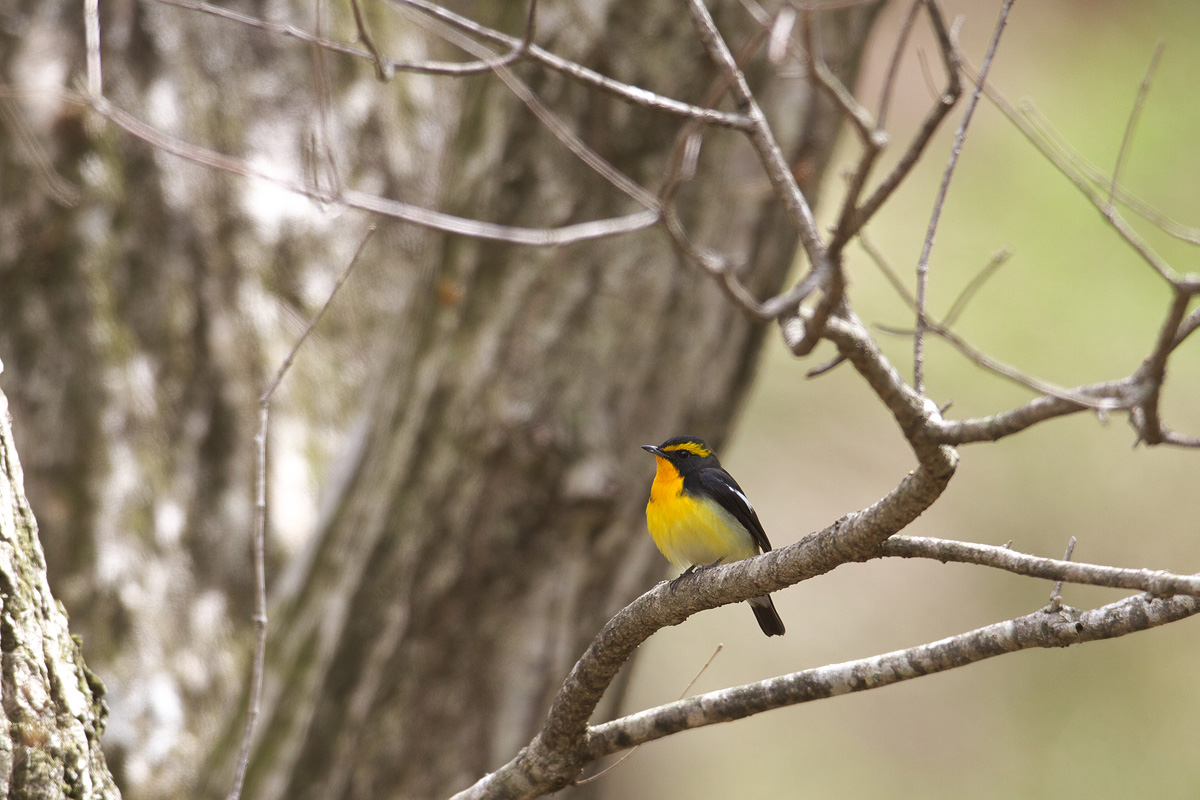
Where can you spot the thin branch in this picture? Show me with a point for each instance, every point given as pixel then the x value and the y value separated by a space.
pixel 959 138
pixel 1056 592
pixel 880 260
pixel 1158 583
pixel 258 666
pixel 893 70
pixel 91 24
pixel 870 135
pixel 417 215
pixel 1050 143
pixel 824 272
pixel 62 190
pixel 624 91
pixel 1190 283
pixel 997 426
pixel 850 220
pixel 959 305
pixel 382 71
pixel 389 66
pixel 1186 328
pixel 681 168
pixel 774 164
pixel 548 118
pixel 1015 375
pixel 1131 125
pixel 933 119
pixel 634 749
pixel 319 156
pixel 1040 629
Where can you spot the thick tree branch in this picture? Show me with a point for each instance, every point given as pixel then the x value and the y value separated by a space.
pixel 556 755
pixel 1041 629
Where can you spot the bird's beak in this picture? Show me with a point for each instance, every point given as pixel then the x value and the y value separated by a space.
pixel 653 449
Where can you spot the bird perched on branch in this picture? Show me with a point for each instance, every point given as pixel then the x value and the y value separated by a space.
pixel 699 517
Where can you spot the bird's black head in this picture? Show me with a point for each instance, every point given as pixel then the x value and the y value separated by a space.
pixel 687 453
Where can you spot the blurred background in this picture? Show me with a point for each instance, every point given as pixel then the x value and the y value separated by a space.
pixel 1072 305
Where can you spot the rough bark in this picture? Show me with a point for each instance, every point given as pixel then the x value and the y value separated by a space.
pixel 138 315
pixel 493 517
pixel 484 517
pixel 53 709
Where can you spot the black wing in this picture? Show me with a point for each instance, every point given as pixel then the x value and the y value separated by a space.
pixel 720 485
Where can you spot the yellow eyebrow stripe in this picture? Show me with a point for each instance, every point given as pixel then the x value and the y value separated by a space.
pixel 692 447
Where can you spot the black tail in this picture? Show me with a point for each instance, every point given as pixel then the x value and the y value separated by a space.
pixel 767 616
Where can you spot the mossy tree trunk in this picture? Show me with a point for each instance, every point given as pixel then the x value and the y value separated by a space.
pixel 54 711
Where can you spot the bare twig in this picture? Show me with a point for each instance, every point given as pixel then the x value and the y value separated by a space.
pixel 1090 190
pixel 258 666
pixel 624 91
pixel 548 118
pixel 1012 373
pixel 681 167
pixel 62 190
pixel 389 66
pixel 923 263
pixel 828 366
pixel 870 135
pixel 848 225
pixel 889 80
pixel 1131 125
pixel 319 155
pixel 634 749
pixel 578 72
pixel 383 71
pixel 418 215
pixel 889 272
pixel 1050 143
pixel 1056 592
pixel 774 164
pixel 959 305
pixel 91 24
pixel 1187 328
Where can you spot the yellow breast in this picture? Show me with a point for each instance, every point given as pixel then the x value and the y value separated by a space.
pixel 691 531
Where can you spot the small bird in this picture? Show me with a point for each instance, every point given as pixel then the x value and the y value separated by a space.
pixel 699 517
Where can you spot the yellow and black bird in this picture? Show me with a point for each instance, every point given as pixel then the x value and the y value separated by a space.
pixel 699 517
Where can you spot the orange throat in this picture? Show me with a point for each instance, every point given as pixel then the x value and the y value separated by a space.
pixel 668 483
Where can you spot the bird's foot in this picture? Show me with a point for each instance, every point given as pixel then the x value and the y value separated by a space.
pixel 687 573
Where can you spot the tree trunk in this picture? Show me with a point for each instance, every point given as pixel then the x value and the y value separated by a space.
pixel 54 709
pixel 486 515
pixel 494 515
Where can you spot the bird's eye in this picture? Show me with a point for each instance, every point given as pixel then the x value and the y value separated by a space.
pixel 682 454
